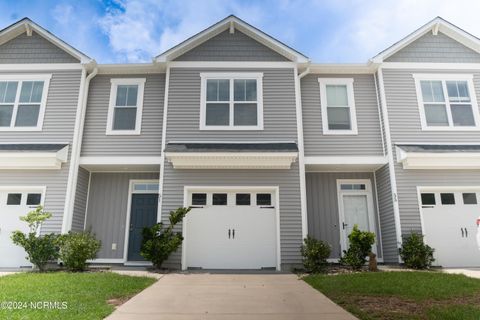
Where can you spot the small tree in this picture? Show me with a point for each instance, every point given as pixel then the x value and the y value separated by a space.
pixel 159 242
pixel 360 247
pixel 315 254
pixel 40 249
pixel 76 248
pixel 415 253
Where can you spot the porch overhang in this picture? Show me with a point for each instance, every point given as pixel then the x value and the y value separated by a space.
pixel 438 156
pixel 344 163
pixel 231 155
pixel 33 156
pixel 121 164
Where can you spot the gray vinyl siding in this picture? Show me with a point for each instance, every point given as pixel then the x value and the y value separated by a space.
pixel 60 111
pixel 368 142
pixel 80 204
pixel 107 209
pixel 58 127
pixel 439 48
pixel 148 143
pixel 403 111
pixel 322 207
pixel 55 182
pixel 279 112
pixel 231 47
pixel 386 214
pixel 288 182
pixel 33 49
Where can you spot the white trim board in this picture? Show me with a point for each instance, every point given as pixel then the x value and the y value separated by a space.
pixel 275 189
pixel 52 160
pixel 439 161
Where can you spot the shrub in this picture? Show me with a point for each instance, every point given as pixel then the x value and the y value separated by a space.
pixel 315 253
pixel 415 253
pixel 160 241
pixel 40 249
pixel 360 246
pixel 76 248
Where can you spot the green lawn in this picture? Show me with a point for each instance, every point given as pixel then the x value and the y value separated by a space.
pixel 403 295
pixel 85 294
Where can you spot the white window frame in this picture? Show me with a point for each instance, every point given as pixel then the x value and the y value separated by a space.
pixel 140 82
pixel 231 77
pixel 323 82
pixel 43 103
pixel 443 78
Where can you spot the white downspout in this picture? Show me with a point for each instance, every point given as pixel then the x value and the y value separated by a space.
pixel 391 162
pixel 76 148
pixel 301 151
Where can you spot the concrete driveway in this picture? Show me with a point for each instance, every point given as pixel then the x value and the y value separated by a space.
pixel 228 297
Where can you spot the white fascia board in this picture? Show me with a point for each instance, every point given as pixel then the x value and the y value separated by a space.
pixel 226 24
pixel 231 160
pixel 131 68
pixel 374 160
pixel 449 160
pixel 343 68
pixel 120 160
pixel 33 160
pixel 437 24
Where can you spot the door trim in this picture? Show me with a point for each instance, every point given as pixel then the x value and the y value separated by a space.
pixel 274 189
pixel 131 183
pixel 371 212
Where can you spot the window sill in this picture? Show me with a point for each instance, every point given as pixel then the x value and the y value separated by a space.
pixel 228 128
pixel 122 133
pixel 16 129
pixel 450 129
pixel 340 133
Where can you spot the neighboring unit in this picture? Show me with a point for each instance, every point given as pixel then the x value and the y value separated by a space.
pixel 264 146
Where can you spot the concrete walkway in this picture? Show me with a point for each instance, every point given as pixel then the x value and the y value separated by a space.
pixel 207 296
pixel 469 272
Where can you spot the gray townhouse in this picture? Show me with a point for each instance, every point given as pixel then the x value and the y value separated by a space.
pixel 265 145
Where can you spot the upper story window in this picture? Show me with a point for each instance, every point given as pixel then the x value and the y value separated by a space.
pixel 22 102
pixel 125 109
pixel 338 106
pixel 231 101
pixel 447 102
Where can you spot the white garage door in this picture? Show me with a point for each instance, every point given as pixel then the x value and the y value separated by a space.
pixel 229 229
pixel 13 204
pixel 449 222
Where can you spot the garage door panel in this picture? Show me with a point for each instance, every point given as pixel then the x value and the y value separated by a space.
pixel 239 235
pixel 449 224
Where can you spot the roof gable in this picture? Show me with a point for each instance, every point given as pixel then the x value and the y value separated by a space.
pixel 28 28
pixel 436 27
pixel 228 46
pixel 232 24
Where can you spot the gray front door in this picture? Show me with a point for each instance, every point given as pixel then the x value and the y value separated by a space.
pixel 143 214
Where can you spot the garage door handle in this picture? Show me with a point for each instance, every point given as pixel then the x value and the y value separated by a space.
pixel 228 233
pixel 462 232
pixel 233 234
pixel 466 233
pixel 196 207
pixel 268 207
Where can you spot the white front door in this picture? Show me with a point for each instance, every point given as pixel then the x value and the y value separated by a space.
pixel 449 225
pixel 15 203
pixel 229 229
pixel 355 204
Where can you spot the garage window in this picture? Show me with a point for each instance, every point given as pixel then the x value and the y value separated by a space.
pixel 219 199
pixel 447 198
pixel 199 199
pixel 34 199
pixel 243 199
pixel 264 199
pixel 428 199
pixel 14 199
pixel 469 198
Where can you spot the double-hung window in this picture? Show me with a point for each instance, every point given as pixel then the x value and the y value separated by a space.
pixel 22 102
pixel 447 102
pixel 126 105
pixel 338 106
pixel 231 101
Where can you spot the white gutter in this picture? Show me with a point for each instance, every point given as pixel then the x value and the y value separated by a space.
pixel 301 150
pixel 391 163
pixel 76 148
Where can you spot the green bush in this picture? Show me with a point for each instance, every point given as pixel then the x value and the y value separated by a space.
pixel 159 242
pixel 415 253
pixel 40 249
pixel 315 253
pixel 360 246
pixel 76 248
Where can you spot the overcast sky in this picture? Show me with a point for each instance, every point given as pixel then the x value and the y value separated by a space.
pixel 116 31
